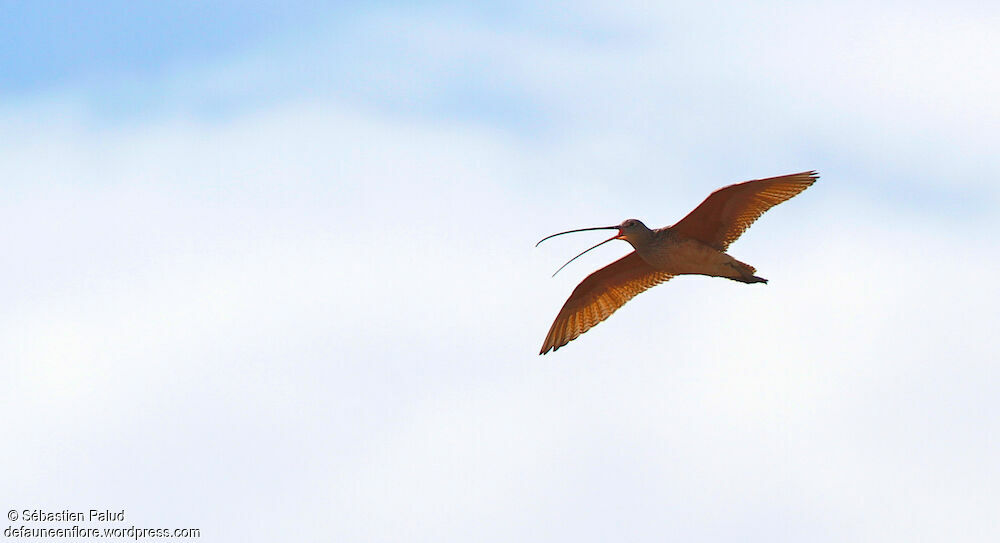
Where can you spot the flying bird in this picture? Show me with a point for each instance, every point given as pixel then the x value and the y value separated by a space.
pixel 695 245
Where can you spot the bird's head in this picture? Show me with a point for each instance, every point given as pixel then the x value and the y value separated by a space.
pixel 630 230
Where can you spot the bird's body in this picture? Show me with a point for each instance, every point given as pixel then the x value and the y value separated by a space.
pixel 676 254
pixel 696 245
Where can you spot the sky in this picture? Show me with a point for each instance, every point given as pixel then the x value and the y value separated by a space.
pixel 269 270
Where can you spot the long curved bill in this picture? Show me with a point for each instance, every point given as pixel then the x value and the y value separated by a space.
pixel 585 252
pixel 577 230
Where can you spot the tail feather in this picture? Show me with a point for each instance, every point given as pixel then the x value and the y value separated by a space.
pixel 747 274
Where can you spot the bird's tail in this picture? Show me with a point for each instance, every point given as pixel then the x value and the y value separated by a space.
pixel 747 272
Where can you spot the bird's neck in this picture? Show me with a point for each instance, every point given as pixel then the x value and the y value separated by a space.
pixel 641 239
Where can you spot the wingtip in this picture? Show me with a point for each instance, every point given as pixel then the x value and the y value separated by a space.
pixel 806 178
pixel 551 346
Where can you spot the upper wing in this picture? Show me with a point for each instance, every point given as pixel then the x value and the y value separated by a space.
pixel 599 295
pixel 729 211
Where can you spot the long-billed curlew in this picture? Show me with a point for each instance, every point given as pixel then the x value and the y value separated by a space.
pixel 695 245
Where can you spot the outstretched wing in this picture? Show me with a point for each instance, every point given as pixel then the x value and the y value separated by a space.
pixel 600 295
pixel 729 211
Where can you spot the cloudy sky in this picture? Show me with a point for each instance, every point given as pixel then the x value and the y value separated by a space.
pixel 269 271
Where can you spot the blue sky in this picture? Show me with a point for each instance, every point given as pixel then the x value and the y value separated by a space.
pixel 270 270
pixel 133 57
pixel 59 43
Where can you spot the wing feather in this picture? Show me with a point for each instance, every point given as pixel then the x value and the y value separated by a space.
pixel 729 211
pixel 600 295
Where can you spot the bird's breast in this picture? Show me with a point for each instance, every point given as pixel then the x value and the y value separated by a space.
pixel 677 255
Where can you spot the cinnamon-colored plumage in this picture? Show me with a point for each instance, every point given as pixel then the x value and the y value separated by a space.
pixel 695 245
